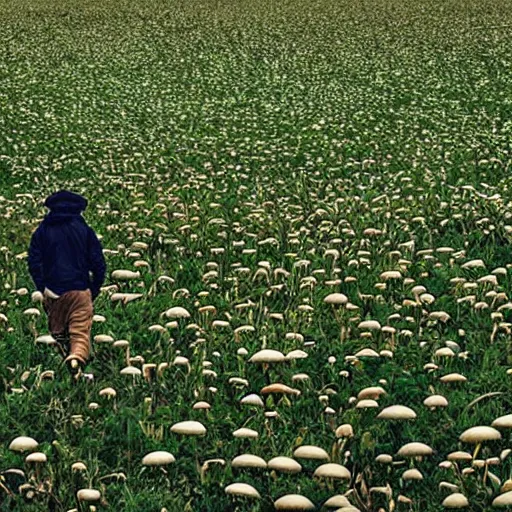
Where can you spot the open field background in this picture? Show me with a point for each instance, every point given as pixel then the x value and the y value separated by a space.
pixel 262 155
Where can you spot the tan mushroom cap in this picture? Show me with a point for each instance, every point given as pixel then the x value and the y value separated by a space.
pixel 332 470
pixel 503 421
pixel 367 404
pixel 245 433
pixel 158 458
pixel 310 452
pixel 384 458
pixel 415 449
pixel 345 430
pixel 503 500
pixel 293 502
pixel 177 312
pixel 367 352
pixel 460 455
pixel 252 399
pixel 480 434
pixel 412 474
pixel 88 495
pixel 397 412
pixel 285 465
pixel 337 501
pixel 373 392
pixel 455 500
pixel 435 401
pixel 191 428
pixel 23 444
pixel 36 457
pixel 370 325
pixel 240 489
pixel 453 377
pixel 279 389
pixel 78 466
pixel 130 370
pixel 268 356
pixel 336 299
pixel 248 461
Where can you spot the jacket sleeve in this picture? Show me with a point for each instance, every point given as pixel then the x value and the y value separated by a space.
pixel 35 260
pixel 97 263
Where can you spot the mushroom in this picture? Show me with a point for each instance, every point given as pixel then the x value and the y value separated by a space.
pixel 23 444
pixel 189 428
pixel 248 461
pixel 503 500
pixel 158 458
pixel 477 435
pixel 293 502
pixel 88 495
pixel 397 412
pixel 285 465
pixel 332 470
pixel 245 433
pixel 240 489
pixel 310 452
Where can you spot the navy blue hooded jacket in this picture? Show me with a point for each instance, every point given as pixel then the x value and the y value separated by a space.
pixel 64 248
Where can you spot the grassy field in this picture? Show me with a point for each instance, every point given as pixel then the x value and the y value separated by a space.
pixel 262 155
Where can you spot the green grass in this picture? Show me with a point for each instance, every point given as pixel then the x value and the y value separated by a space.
pixel 292 126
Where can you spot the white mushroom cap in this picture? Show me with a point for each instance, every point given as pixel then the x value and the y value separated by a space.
pixel 78 466
pixel 177 312
pixel 503 500
pixel 453 377
pixel 23 444
pixel 384 458
pixel 245 432
pixel 252 399
pixel 332 470
pixel 412 474
pixel 310 452
pixel 130 370
pixel 479 434
pixel 435 401
pixel 248 461
pixel 293 502
pixel 108 392
pixel 337 501
pixel 459 455
pixel 240 489
pixel 190 428
pixel 36 457
pixel 367 404
pixel 503 421
pixel 367 352
pixel 296 354
pixel 397 412
pixel 268 356
pixel 370 325
pixel 285 465
pixel 414 450
pixel 373 392
pixel 159 458
pixel 336 298
pixel 345 430
pixel 88 495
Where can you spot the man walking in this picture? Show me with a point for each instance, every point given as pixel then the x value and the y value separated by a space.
pixel 63 250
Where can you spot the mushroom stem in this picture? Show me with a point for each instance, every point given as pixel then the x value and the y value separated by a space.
pixel 477 450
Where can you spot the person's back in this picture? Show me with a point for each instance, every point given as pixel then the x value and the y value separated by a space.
pixel 63 251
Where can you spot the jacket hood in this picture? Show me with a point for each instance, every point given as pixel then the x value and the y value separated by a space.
pixel 66 202
pixel 64 206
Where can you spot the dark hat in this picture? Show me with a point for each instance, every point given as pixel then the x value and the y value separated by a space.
pixel 66 201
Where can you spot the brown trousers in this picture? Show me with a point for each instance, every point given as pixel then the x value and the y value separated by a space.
pixel 70 317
